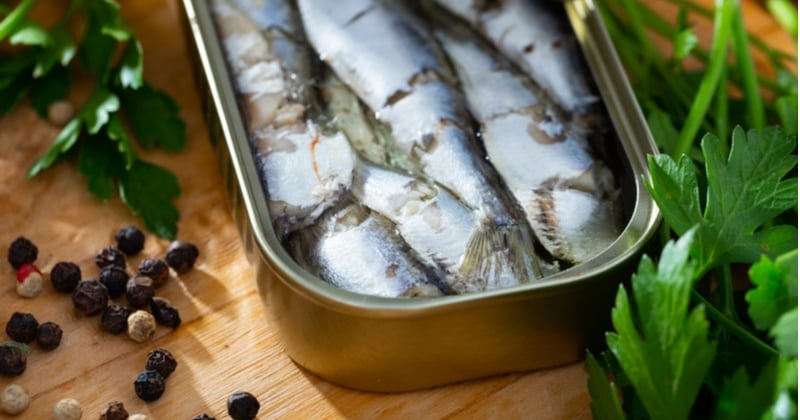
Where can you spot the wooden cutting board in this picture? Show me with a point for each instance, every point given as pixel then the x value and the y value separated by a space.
pixel 224 344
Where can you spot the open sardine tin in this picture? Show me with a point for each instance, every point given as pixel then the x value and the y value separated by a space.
pixel 398 344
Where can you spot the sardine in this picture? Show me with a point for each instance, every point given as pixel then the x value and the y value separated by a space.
pixel 394 66
pixel 357 250
pixel 440 228
pixel 304 169
pixel 279 22
pixel 538 39
pixel 568 195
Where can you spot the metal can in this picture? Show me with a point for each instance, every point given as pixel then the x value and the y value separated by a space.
pixel 388 345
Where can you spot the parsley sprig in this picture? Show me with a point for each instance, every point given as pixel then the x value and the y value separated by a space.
pixel 108 51
pixel 692 339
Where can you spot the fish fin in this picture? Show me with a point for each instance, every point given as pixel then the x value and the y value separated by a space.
pixel 498 256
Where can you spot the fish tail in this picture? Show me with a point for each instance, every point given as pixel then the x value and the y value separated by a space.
pixel 499 256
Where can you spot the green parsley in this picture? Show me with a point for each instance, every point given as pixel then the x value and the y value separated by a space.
pixel 692 339
pixel 108 51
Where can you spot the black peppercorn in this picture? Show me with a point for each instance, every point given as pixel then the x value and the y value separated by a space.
pixel 156 269
pixel 90 297
pixel 161 361
pixel 130 240
pixel 149 385
pixel 114 410
pixel 65 276
pixel 203 416
pixel 243 406
pixel 22 327
pixel 140 291
pixel 115 319
pixel 115 279
pixel 110 256
pixel 48 335
pixel 13 360
pixel 164 313
pixel 22 251
pixel 181 256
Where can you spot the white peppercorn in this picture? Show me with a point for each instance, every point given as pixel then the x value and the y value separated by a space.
pixel 15 399
pixel 139 417
pixel 141 325
pixel 67 409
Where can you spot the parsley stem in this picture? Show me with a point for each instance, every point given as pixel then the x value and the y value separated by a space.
pixel 725 284
pixel 734 327
pixel 756 41
pixel 9 24
pixel 744 60
pixel 722 110
pixel 723 16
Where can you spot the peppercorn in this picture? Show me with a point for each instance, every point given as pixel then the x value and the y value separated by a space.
pixel 15 400
pixel 13 360
pixel 243 406
pixel 181 256
pixel 90 297
pixel 22 327
pixel 140 291
pixel 161 361
pixel 156 269
pixel 149 385
pixel 67 409
pixel 59 113
pixel 139 417
pixel 141 325
pixel 115 279
pixel 164 313
pixel 130 240
pixel 65 276
pixel 110 256
pixel 115 318
pixel 22 251
pixel 114 410
pixel 48 335
pixel 203 416
pixel 29 281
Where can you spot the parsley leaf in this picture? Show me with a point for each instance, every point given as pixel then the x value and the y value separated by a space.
pixel 744 191
pixel 62 143
pixel 98 109
pixel 152 199
pixel 100 163
pixel 97 135
pixel 153 116
pixel 740 399
pixel 605 403
pixel 52 87
pixel 784 332
pixel 129 73
pixel 661 345
pixel 775 290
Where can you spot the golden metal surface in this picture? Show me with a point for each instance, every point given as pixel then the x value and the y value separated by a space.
pixel 381 344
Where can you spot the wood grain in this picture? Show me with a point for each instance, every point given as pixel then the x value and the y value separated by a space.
pixel 224 343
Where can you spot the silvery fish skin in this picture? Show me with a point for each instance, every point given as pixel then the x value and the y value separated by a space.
pixel 279 22
pixel 438 226
pixel 567 194
pixel 397 70
pixel 535 38
pixel 358 250
pixel 304 168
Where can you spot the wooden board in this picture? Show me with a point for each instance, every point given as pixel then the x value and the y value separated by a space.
pixel 224 344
